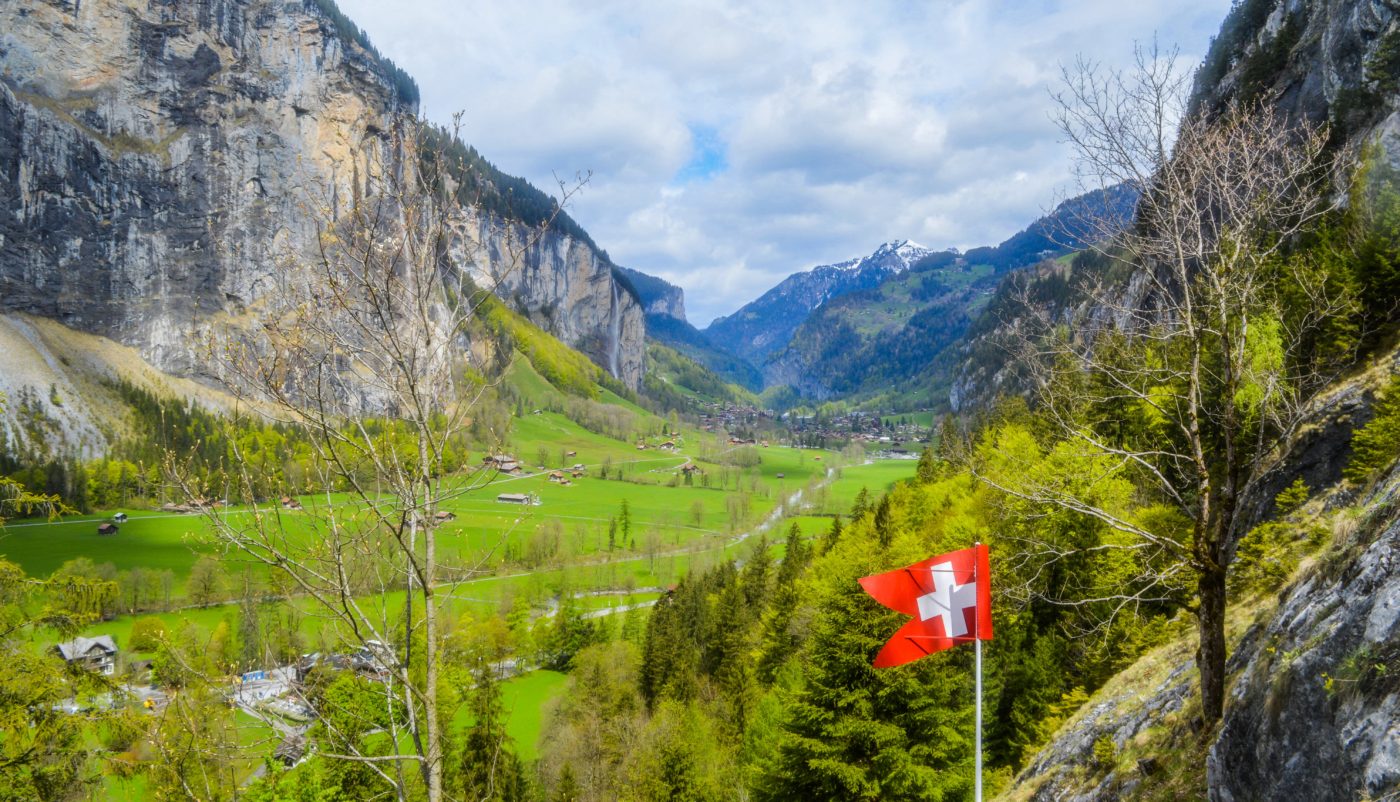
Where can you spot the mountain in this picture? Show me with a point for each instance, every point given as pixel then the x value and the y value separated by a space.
pixel 897 337
pixel 764 327
pixel 156 159
pixel 660 298
pixel 664 303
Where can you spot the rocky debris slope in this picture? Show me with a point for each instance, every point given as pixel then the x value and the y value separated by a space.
pixel 157 161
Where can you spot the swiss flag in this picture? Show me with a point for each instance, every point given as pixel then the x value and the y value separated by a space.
pixel 949 596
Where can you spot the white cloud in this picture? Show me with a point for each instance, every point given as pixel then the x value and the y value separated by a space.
pixel 842 124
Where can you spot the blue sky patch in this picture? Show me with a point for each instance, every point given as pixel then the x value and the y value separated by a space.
pixel 708 156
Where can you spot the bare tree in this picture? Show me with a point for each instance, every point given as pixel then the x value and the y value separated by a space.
pixel 363 351
pixel 1201 331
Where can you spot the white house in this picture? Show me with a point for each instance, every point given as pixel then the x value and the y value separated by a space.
pixel 95 654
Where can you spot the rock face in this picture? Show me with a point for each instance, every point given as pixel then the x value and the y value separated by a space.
pixel 660 298
pixel 156 159
pixel 1312 715
pixel 566 288
pixel 1328 61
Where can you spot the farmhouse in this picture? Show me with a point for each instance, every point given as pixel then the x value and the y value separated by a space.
pixel 106 528
pixel 291 750
pixel 95 654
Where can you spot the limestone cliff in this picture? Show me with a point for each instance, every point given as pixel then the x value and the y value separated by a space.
pixel 156 159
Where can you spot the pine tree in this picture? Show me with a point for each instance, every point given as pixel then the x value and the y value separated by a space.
pixel 567 790
pixel 861 505
pixel 832 535
pixel 883 528
pixel 855 732
pixel 490 770
pixel 928 467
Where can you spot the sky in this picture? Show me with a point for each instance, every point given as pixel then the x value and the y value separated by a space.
pixel 729 144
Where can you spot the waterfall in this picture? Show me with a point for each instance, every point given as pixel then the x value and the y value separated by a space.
pixel 615 329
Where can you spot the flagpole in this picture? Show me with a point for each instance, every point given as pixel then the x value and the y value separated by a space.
pixel 979 720
pixel 978 758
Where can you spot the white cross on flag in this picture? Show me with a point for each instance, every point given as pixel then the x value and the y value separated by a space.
pixel 949 597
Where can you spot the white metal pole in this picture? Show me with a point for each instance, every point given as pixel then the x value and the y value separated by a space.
pixel 978 760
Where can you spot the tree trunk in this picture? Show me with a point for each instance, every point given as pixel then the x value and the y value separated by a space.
pixel 1210 657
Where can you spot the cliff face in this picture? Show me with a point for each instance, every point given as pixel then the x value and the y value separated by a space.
pixel 660 298
pixel 563 286
pixel 156 158
pixel 1327 61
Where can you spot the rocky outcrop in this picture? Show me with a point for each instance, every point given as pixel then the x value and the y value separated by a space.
pixel 1312 713
pixel 1327 61
pixel 157 161
pixel 660 298
pixel 1314 678
pixel 563 286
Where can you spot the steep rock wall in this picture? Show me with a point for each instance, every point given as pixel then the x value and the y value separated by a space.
pixel 564 287
pixel 157 159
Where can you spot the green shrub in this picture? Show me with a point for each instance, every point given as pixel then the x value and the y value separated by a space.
pixel 147 634
pixel 1375 446
pixel 1105 752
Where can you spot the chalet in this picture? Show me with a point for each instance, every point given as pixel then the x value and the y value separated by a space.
pixel 119 517
pixel 667 446
pixel 444 515
pixel 514 498
pixel 95 654
pixel 173 507
pixel 641 446
pixel 782 476
pixel 557 477
pixel 291 750
pixel 691 467
pixel 289 503
pixel 107 528
pixel 565 483
pixel 577 474
pixel 579 466
pixel 570 454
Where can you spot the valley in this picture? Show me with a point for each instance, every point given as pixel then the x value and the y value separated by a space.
pixel 614 438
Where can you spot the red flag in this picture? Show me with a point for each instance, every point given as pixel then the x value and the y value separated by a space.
pixel 949 596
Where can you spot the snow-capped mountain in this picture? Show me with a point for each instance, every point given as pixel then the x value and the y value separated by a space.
pixel 764 326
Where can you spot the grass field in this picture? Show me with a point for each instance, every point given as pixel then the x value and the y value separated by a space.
pixel 675 530
pixel 877 478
